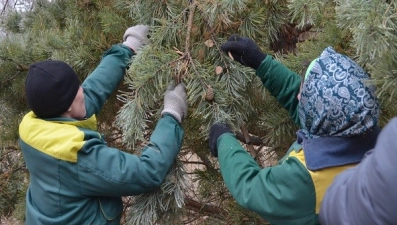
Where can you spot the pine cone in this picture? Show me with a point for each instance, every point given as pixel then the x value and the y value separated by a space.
pixel 209 93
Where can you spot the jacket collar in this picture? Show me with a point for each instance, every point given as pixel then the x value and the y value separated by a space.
pixel 324 152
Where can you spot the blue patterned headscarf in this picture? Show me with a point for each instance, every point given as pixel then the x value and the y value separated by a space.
pixel 336 99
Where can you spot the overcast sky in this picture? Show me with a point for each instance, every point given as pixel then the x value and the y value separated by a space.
pixel 19 5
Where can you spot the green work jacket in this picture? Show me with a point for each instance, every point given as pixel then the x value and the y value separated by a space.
pixel 285 194
pixel 75 177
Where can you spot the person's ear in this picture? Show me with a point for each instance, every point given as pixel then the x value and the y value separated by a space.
pixel 67 113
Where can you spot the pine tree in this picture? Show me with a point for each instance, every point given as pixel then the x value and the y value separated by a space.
pixel 185 47
pixel 75 32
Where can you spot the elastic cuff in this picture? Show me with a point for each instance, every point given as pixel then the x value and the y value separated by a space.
pixel 124 45
pixel 171 115
pixel 257 60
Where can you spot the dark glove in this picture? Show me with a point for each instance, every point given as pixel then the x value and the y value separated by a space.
pixel 244 50
pixel 216 131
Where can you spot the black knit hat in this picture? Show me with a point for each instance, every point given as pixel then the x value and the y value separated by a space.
pixel 51 86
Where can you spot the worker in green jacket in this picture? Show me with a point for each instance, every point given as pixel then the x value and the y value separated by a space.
pixel 75 177
pixel 337 113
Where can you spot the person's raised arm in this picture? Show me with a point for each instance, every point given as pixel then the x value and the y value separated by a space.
pixel 110 72
pixel 280 81
pixel 105 171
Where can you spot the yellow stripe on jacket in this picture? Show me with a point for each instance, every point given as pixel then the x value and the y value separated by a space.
pixel 59 139
pixel 322 179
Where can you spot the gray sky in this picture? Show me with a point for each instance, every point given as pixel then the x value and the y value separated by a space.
pixel 19 5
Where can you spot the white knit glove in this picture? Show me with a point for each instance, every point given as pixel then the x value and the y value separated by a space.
pixel 175 102
pixel 135 37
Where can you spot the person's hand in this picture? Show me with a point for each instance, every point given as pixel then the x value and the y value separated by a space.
pixel 175 102
pixel 217 129
pixel 244 50
pixel 135 37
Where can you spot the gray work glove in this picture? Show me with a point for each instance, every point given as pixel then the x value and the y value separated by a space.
pixel 175 102
pixel 135 37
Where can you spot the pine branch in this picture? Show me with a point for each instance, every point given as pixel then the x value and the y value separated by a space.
pixel 255 140
pixel 3 82
pixel 205 209
pixel 20 66
pixel 207 163
pixel 251 149
pixel 189 24
pixel 163 206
